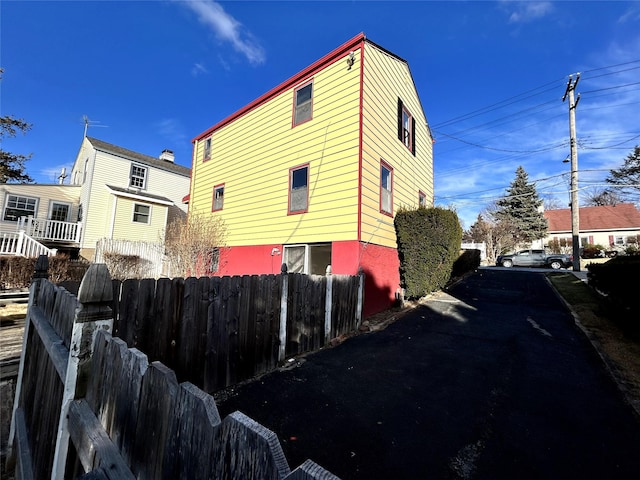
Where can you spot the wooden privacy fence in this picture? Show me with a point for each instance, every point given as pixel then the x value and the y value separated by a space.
pixel 89 407
pixel 218 331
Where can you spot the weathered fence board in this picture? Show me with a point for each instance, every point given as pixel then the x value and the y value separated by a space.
pixel 158 396
pixel 191 440
pixel 115 416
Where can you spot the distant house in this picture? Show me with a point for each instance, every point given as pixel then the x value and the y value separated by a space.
pixel 114 193
pixel 610 225
pixel 311 173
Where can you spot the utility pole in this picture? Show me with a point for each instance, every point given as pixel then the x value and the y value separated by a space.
pixel 575 207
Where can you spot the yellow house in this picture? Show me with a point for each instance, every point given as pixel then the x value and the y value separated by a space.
pixel 311 173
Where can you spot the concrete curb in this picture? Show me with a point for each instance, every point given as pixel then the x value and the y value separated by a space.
pixel 609 364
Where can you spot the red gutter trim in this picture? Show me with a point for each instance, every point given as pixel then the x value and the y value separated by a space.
pixel 307 72
pixel 360 140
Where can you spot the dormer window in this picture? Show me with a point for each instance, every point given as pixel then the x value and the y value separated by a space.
pixel 138 177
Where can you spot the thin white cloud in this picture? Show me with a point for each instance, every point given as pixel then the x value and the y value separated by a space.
pixel 198 69
pixel 522 12
pixel 631 15
pixel 171 129
pixel 227 29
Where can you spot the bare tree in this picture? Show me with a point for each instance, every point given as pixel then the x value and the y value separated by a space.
pixel 553 203
pixel 495 233
pixel 192 244
pixel 598 197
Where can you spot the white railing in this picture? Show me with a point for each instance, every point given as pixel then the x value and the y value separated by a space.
pixel 52 230
pixel 19 243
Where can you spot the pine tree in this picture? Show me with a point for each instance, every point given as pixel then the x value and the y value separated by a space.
pixel 627 177
pixel 12 166
pixel 520 210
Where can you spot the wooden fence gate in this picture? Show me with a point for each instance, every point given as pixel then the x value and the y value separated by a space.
pixel 88 406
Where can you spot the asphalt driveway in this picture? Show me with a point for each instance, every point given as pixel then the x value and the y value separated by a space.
pixel 492 380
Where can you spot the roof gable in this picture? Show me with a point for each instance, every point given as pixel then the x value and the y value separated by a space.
pixel 608 217
pixel 139 157
pixel 356 42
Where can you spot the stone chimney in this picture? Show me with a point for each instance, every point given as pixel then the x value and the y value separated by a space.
pixel 167 155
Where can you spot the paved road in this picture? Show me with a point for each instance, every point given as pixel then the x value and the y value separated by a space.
pixel 492 381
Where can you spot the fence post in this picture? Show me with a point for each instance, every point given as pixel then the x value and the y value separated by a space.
pixel 40 273
pixel 328 305
pixel 283 312
pixel 20 243
pixel 94 313
pixel 361 276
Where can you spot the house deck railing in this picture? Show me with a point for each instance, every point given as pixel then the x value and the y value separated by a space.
pixel 51 230
pixel 21 244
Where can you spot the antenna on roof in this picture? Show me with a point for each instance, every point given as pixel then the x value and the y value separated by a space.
pixel 90 123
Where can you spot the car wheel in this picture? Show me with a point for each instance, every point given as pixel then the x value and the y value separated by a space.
pixel 507 263
pixel 556 264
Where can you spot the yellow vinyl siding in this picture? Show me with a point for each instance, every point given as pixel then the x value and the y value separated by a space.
pixel 125 228
pixel 46 194
pixel 385 79
pixel 108 169
pixel 253 154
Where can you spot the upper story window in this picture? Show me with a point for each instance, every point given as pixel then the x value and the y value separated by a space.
pixel 422 199
pixel 86 168
pixel 303 104
pixel 141 213
pixel 386 188
pixel 138 177
pixel 299 189
pixel 207 148
pixel 218 197
pixel 18 206
pixel 406 127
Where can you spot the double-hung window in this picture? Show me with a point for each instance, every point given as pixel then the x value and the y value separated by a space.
pixel 207 148
pixel 141 213
pixel 386 188
pixel 299 189
pixel 422 199
pixel 406 127
pixel 218 197
pixel 19 206
pixel 138 177
pixel 303 104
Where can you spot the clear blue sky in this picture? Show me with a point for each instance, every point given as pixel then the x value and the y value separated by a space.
pixel 153 74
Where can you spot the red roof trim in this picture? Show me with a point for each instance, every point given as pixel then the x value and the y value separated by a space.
pixel 302 75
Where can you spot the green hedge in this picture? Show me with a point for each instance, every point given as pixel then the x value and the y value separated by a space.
pixel 428 245
pixel 618 279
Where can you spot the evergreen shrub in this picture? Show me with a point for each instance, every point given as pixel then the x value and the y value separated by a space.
pixel 429 242
pixel 617 279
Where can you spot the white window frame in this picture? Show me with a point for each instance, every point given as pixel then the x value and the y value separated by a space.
pixel 25 199
pixel 52 203
pixel 136 213
pixel 135 178
pixel 307 256
pixel 618 240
